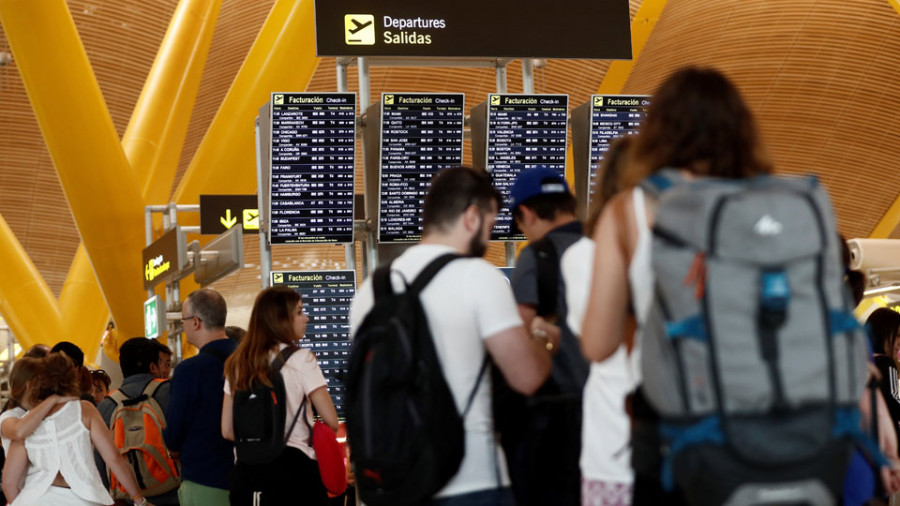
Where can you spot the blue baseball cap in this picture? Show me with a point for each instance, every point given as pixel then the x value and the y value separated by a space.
pixel 533 182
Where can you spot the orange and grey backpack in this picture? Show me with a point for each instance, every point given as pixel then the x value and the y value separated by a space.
pixel 137 425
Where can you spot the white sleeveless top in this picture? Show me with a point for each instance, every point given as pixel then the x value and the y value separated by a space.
pixel 640 277
pixel 62 444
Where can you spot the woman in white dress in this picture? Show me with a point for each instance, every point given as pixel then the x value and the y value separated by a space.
pixel 60 457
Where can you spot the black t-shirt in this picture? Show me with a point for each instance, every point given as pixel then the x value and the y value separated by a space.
pixel 888 385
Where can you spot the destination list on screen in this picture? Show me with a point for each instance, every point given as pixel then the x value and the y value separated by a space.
pixel 612 116
pixel 523 132
pixel 420 135
pixel 326 299
pixel 313 141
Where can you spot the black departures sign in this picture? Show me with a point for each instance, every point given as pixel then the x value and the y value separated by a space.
pixel 612 116
pixel 420 134
pixel 523 132
pixel 599 29
pixel 326 300
pixel 313 151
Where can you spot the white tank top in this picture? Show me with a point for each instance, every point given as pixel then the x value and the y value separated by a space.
pixel 640 277
pixel 62 444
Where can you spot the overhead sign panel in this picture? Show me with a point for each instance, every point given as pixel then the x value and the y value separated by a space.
pixel 523 132
pixel 219 213
pixel 165 258
pixel 474 28
pixel 326 300
pixel 220 257
pixel 420 135
pixel 313 136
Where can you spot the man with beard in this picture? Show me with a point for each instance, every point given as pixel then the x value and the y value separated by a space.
pixel 471 311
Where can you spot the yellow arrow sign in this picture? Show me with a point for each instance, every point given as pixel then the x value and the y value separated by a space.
pixel 228 220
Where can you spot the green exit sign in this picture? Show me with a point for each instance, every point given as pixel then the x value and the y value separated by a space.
pixel 154 317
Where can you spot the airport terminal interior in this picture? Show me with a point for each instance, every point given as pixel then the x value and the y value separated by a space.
pixel 140 130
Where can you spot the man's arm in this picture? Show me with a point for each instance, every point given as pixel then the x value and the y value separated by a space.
pixel 524 362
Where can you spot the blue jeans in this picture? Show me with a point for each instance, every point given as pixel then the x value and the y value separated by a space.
pixel 491 497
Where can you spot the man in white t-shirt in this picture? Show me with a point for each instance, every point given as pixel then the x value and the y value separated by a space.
pixel 470 310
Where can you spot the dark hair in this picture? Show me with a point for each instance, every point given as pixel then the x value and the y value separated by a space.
pixel 882 325
pixel 609 178
pixel 235 333
pixel 698 121
pixel 24 370
pixel 452 192
pixel 160 348
pixel 547 206
pixel 59 376
pixel 71 350
pixel 210 307
pixel 37 351
pixel 271 323
pixel 136 355
pixel 100 376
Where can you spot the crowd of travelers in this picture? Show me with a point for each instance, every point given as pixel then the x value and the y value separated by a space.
pixel 658 353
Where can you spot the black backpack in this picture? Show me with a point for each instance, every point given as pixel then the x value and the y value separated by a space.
pixel 259 416
pixel 407 436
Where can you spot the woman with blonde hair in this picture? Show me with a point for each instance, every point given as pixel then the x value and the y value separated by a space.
pixel 277 323
pixel 60 457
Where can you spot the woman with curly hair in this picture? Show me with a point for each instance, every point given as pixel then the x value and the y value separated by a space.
pixel 60 450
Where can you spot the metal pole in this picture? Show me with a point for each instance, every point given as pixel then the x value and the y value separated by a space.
pixel 265 249
pixel 528 75
pixel 510 248
pixel 501 77
pixel 364 86
pixel 364 93
pixel 148 234
pixel 349 248
pixel 342 77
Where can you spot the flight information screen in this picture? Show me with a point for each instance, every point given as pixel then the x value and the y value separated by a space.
pixel 313 141
pixel 523 132
pixel 612 116
pixel 326 300
pixel 420 135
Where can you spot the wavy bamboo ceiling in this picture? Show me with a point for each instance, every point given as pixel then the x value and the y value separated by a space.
pixel 821 76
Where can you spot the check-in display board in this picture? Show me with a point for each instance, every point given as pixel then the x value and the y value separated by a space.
pixel 612 116
pixel 313 141
pixel 523 132
pixel 420 135
pixel 326 300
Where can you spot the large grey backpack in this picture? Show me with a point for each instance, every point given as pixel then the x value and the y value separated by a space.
pixel 751 354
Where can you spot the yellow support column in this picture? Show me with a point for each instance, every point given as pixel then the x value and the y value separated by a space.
pixel 83 308
pixel 152 144
pixel 27 304
pixel 155 136
pixel 282 59
pixel 81 138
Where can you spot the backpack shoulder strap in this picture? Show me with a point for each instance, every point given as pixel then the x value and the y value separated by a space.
pixel 547 263
pixel 381 282
pixel 658 182
pixel 430 271
pixel 282 358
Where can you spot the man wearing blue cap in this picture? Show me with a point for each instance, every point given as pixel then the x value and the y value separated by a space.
pixel 544 452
